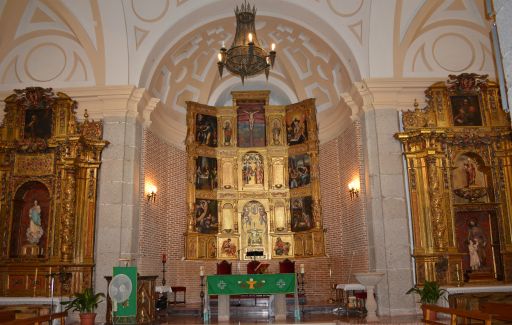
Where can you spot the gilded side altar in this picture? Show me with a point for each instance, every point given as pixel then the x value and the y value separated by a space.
pixel 48 173
pixel 458 157
pixel 252 180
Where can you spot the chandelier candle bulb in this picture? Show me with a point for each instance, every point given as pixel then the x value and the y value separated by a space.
pixel 250 37
pixel 219 56
pixel 201 270
pixel 302 269
pixel 273 47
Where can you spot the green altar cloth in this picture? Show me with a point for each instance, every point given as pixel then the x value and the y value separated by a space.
pixel 243 284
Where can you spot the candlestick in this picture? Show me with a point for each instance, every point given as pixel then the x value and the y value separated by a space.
pixel 164 260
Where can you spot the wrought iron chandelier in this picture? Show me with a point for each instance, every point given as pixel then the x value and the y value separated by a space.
pixel 246 57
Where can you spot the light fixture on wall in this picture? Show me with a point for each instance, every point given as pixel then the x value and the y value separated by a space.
pixel 151 192
pixel 353 189
pixel 246 57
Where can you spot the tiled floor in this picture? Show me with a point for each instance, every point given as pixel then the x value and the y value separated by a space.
pixel 181 317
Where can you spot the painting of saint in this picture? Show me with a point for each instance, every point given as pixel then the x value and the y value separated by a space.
pixel 206 130
pixel 38 124
pixel 251 125
pixel 206 216
pixel 229 248
pixel 466 111
pixel 302 216
pixel 252 169
pixel 296 128
pixel 206 173
pixel 299 168
pixel 473 230
pixel 281 247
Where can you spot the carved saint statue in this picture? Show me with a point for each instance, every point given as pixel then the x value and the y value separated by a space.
pixel 35 231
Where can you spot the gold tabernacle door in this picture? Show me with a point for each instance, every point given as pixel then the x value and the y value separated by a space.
pixel 252 184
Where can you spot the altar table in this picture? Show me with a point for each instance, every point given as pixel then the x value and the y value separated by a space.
pixel 252 284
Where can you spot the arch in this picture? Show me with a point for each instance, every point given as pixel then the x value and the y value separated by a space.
pixel 30 219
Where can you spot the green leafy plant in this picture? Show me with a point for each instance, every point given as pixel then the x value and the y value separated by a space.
pixel 85 302
pixel 429 293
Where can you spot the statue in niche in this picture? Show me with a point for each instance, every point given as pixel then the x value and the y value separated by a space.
pixel 228 133
pixel 35 230
pixel 254 222
pixel 276 132
pixel 252 169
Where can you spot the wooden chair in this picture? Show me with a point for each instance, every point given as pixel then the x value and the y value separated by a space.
pixel 287 266
pixel 251 267
pixel 223 268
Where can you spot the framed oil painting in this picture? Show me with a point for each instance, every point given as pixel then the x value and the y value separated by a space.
pixel 228 247
pixel 466 111
pixel 299 168
pixel 296 127
pixel 302 213
pixel 206 173
pixel 38 123
pixel 282 246
pixel 206 216
pixel 251 125
pixel 206 130
pixel 475 239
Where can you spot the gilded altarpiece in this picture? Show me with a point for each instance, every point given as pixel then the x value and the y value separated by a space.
pixel 458 157
pixel 48 170
pixel 253 180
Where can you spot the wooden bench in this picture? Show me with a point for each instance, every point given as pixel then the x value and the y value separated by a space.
pixel 39 320
pixel 455 315
pixel 499 310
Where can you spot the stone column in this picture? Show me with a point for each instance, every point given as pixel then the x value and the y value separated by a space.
pixel 503 9
pixel 122 109
pixel 386 202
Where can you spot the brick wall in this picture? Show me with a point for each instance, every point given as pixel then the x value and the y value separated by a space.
pixel 163 222
pixel 341 161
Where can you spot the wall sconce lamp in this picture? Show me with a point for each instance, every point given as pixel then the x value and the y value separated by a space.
pixel 353 189
pixel 151 193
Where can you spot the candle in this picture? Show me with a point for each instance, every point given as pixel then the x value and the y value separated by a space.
pixel 302 268
pixel 219 56
pixel 223 45
pixel 250 37
pixel 201 270
pixel 273 46
pixel 164 258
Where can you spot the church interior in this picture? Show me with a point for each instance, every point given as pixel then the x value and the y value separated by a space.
pixel 345 150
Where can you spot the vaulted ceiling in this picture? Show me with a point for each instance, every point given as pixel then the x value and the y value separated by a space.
pixel 169 47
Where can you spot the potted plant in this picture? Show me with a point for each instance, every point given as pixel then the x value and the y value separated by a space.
pixel 429 294
pixel 85 303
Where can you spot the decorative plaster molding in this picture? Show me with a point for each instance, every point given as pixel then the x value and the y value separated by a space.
pixel 394 93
